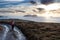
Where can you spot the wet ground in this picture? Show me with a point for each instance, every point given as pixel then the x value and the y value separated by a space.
pixel 7 34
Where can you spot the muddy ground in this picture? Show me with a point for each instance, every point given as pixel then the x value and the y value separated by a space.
pixel 37 31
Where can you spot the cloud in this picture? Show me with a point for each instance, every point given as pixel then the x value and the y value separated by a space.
pixel 12 0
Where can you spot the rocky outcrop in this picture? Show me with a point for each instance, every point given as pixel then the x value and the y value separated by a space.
pixel 1 28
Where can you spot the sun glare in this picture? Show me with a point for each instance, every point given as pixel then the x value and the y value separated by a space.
pixel 53 6
pixel 48 8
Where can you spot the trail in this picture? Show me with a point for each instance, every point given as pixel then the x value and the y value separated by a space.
pixel 6 34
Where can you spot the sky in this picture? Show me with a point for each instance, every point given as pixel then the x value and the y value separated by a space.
pixel 15 0
pixel 8 3
pixel 12 0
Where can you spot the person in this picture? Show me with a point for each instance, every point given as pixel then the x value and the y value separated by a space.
pixel 12 25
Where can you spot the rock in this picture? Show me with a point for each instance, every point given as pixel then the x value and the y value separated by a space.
pixel 1 28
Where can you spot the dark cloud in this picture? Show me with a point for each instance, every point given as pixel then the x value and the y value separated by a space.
pixel 47 1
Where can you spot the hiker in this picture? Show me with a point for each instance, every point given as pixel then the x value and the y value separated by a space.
pixel 12 25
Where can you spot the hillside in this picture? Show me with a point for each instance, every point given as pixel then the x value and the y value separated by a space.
pixel 38 30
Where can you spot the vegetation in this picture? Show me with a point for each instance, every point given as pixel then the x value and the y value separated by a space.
pixel 39 31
